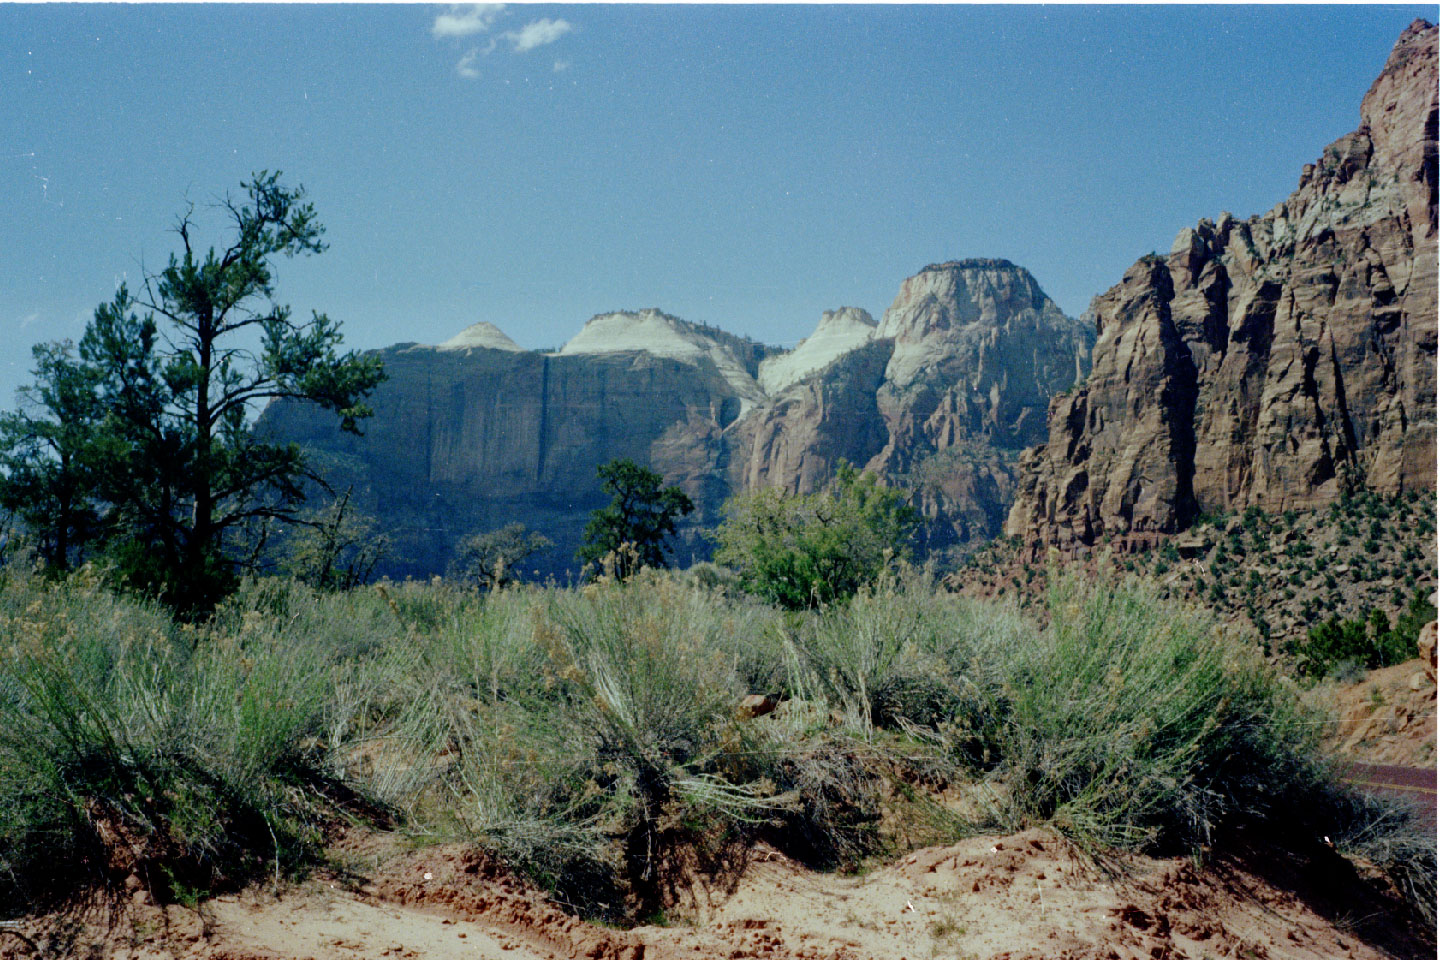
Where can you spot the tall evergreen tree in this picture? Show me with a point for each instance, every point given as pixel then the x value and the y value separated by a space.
pixel 47 458
pixel 178 368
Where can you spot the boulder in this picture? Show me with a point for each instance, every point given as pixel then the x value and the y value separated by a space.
pixel 757 705
pixel 1427 649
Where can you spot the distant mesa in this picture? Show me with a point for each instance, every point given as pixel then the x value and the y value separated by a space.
pixel 482 334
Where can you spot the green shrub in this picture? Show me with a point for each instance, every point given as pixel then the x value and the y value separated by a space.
pixel 1367 640
pixel 807 551
pixel 1132 723
pixel 131 744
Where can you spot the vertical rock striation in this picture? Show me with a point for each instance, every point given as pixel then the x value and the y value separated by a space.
pixel 1265 362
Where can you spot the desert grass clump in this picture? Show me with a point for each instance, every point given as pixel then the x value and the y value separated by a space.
pixel 1134 723
pixel 907 656
pixel 589 769
pixel 129 746
pixel 591 738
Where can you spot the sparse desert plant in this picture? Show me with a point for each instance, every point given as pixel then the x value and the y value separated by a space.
pixel 334 547
pixel 492 559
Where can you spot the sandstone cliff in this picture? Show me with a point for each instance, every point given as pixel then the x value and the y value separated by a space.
pixel 940 397
pixel 470 439
pixel 1268 361
pixel 477 433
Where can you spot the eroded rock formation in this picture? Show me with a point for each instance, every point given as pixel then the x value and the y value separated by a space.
pixel 477 433
pixel 1268 361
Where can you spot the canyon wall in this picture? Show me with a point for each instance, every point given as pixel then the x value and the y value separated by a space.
pixel 940 396
pixel 1270 362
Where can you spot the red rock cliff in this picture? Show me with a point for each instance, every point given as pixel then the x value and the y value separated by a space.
pixel 1269 361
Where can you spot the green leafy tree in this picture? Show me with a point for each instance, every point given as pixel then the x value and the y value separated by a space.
pixel 47 456
pixel 490 559
pixel 177 370
pixel 807 551
pixel 640 517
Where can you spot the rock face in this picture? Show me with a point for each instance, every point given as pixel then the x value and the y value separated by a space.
pixel 941 396
pixel 1269 361
pixel 469 438
pixel 477 433
pixel 839 332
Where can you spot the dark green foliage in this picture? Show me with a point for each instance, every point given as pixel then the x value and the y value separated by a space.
pixel 491 560
pixel 166 382
pixel 1368 640
pixel 47 466
pixel 806 551
pixel 640 517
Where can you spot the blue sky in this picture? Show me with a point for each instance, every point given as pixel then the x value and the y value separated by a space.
pixel 745 166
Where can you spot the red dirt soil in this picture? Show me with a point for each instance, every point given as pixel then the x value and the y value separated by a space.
pixel 1030 895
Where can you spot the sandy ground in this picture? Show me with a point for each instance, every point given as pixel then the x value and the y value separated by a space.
pixel 1030 895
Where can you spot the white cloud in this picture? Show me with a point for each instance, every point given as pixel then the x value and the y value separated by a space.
pixel 538 34
pixel 466 66
pixel 464 20
pixel 562 65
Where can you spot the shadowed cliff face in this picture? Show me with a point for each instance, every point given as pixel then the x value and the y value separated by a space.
pixel 1269 361
pixel 471 440
pixel 476 434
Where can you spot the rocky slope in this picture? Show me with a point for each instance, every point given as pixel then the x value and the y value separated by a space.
pixel 477 433
pixel 1264 362
pixel 1270 576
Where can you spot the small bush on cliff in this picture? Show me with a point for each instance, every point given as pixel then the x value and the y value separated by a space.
pixel 807 551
